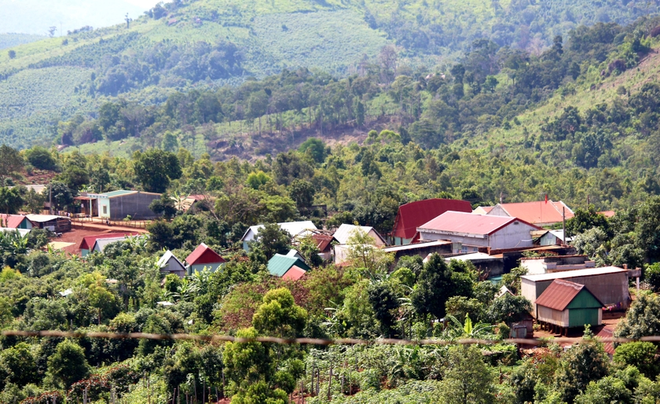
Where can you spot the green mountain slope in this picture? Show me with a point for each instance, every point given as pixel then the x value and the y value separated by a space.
pixel 207 43
pixel 11 40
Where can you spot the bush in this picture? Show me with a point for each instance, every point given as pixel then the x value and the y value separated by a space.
pixel 638 354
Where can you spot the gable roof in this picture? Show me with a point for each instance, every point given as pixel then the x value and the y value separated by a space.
pixel 293 228
pixel 414 214
pixel 100 244
pixel 294 273
pixel 560 293
pixel 345 231
pixel 203 254
pixel 469 223
pixel 88 242
pixel 279 264
pixel 165 259
pixel 323 242
pixel 538 211
pixel 578 273
pixel 12 221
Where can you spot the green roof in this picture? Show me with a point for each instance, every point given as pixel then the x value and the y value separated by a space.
pixel 118 193
pixel 280 264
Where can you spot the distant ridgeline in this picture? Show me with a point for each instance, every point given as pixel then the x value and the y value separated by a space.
pixel 207 44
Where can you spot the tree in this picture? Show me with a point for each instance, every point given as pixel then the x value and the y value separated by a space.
pixel 68 364
pixel 155 169
pixel 10 161
pixel 584 362
pixel 163 206
pixel 383 301
pixel 11 200
pixel 363 252
pixel 247 363
pixel 61 194
pixel 509 308
pixel 434 286
pixel 279 316
pixel 40 158
pixel 316 149
pixel 20 364
pixel 467 379
pixel 272 240
pixel 640 355
pixel 11 53
pixel 302 192
pixel 642 319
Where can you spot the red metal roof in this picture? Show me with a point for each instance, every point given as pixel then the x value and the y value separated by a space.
pixel 414 214
pixel 323 242
pixel 538 212
pixel 469 223
pixel 607 213
pixel 12 221
pixel 204 255
pixel 560 293
pixel 87 242
pixel 294 273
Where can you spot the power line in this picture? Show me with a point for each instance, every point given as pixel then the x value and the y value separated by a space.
pixel 219 338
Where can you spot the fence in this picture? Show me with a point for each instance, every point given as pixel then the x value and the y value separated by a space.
pixel 137 224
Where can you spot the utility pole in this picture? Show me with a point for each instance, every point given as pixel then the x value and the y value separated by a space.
pixel 50 197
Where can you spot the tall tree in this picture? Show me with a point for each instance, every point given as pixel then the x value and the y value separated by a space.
pixel 155 169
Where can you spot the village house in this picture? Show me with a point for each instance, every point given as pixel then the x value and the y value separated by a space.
pixel 539 213
pixel 565 304
pixel 290 266
pixel 608 284
pixel 87 243
pixel 414 214
pixel 117 205
pixel 15 222
pixel 54 223
pixel 170 264
pixel 295 230
pixel 344 233
pixel 469 232
pixel 203 257
pixel 101 243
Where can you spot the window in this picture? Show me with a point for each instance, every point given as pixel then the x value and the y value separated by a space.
pixel 105 210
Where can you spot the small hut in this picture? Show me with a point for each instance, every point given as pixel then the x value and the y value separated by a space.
pixel 565 304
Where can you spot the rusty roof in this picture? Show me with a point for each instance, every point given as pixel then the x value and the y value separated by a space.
pixel 560 293
pixel 294 273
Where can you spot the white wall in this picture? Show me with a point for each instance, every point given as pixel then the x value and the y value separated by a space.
pixel 514 235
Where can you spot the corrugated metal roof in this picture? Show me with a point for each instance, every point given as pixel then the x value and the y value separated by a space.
pixel 163 261
pixel 280 264
pixel 574 274
pixel 323 242
pixel 203 254
pixel 12 221
pixel 468 223
pixel 44 218
pixel 345 231
pixel 118 193
pixel 293 228
pixel 100 244
pixel 473 257
pixel 416 246
pixel 537 211
pixel 414 214
pixel 294 273
pixel 88 242
pixel 560 293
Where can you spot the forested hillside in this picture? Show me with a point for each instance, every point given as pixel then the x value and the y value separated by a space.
pixel 209 43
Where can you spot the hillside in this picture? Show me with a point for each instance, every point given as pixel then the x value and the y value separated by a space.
pixel 36 17
pixel 11 40
pixel 209 43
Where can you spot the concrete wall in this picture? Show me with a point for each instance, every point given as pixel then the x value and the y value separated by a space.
pixel 477 241
pixel 200 268
pixel 497 211
pixel 173 267
pixel 104 208
pixel 512 236
pixel 136 205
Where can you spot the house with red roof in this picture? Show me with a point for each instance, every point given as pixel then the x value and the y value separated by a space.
pixel 87 243
pixel 565 304
pixel 540 213
pixel 414 214
pixel 203 257
pixel 15 222
pixel 468 232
